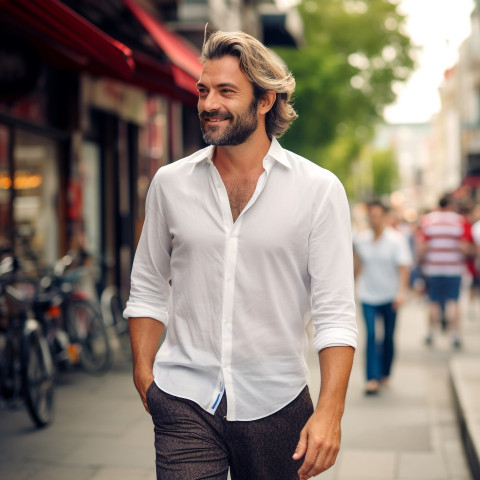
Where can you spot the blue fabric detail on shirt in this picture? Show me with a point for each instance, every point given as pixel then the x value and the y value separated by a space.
pixel 216 401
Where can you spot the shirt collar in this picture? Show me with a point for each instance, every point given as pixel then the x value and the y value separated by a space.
pixel 278 153
pixel 203 154
pixel 275 152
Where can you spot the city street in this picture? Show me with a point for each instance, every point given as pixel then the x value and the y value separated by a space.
pixel 408 432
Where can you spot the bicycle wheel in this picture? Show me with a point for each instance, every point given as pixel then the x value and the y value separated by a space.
pixel 85 327
pixel 121 325
pixel 38 376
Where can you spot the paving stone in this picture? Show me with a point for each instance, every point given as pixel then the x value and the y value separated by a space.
pixel 367 464
pixel 455 459
pixel 424 466
pixel 62 473
pixel 18 471
pixel 122 474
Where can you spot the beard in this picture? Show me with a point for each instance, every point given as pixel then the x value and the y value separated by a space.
pixel 236 133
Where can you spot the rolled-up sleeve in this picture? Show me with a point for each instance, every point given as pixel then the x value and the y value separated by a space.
pixel 330 266
pixel 150 288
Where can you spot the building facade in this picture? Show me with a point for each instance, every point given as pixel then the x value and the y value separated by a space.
pixel 87 115
pixel 94 98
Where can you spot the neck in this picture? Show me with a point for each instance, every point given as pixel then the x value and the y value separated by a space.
pixel 378 230
pixel 244 158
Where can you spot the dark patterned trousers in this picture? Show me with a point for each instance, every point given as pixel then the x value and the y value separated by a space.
pixel 192 444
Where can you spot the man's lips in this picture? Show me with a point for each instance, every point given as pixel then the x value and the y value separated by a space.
pixel 215 117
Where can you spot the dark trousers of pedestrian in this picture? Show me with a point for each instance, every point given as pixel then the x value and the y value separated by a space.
pixel 380 351
pixel 192 444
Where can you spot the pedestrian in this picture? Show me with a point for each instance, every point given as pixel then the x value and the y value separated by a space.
pixel 382 264
pixel 475 256
pixel 243 243
pixel 476 227
pixel 442 248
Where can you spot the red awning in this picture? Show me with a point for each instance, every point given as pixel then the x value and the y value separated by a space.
pixel 69 34
pixel 472 181
pixel 69 40
pixel 155 76
pixel 185 64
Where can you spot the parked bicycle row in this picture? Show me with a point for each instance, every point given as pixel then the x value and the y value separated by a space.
pixel 49 322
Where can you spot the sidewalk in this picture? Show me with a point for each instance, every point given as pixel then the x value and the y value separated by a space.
pixel 408 432
pixel 465 383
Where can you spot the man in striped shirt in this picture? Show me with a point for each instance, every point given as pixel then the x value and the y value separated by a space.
pixel 442 247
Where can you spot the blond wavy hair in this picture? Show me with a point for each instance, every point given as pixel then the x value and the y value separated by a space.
pixel 265 71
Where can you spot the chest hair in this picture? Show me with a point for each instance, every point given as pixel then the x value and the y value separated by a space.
pixel 239 192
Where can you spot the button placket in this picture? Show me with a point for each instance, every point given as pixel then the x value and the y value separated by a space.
pixel 221 194
pixel 231 248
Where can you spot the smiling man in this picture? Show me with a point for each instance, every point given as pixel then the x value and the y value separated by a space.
pixel 243 244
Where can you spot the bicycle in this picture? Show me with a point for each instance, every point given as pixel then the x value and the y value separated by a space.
pixel 82 318
pixel 27 369
pixel 112 311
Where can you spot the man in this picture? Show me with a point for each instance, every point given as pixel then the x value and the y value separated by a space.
pixel 382 258
pixel 255 241
pixel 442 249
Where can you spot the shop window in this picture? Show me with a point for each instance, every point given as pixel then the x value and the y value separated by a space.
pixel 5 188
pixel 36 193
pixel 89 178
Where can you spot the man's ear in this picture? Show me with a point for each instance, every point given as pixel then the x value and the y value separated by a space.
pixel 266 102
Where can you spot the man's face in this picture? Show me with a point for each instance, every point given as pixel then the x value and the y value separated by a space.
pixel 226 106
pixel 376 216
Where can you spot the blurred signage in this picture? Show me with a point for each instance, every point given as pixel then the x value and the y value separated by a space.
pixel 125 101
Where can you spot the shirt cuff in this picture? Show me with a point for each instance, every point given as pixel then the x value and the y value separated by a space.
pixel 335 338
pixel 137 311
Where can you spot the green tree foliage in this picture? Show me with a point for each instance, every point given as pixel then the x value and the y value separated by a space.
pixel 346 73
pixel 384 172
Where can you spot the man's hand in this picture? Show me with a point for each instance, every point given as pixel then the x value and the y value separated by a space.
pixel 142 382
pixel 320 438
pixel 404 278
pixel 398 301
pixel 319 443
pixel 145 335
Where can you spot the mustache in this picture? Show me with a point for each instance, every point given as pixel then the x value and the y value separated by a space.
pixel 218 114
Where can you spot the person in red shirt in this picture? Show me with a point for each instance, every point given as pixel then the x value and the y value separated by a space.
pixel 442 255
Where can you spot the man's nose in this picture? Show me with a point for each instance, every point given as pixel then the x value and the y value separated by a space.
pixel 210 102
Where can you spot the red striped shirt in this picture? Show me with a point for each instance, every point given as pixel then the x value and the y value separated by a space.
pixel 443 233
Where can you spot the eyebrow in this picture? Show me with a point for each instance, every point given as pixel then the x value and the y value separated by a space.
pixel 220 85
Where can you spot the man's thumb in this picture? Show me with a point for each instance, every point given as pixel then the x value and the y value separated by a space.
pixel 301 446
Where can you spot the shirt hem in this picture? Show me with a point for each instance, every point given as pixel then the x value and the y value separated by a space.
pixel 208 410
pixel 270 413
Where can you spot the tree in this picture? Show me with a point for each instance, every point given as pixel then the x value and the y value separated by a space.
pixel 355 54
pixel 384 172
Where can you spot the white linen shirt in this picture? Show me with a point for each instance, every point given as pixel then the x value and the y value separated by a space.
pixel 242 293
pixel 379 276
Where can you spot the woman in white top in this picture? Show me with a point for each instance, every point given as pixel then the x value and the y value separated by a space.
pixel 382 261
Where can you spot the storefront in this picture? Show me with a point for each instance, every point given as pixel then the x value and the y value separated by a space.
pixel 34 146
pixel 83 133
pixel 29 191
